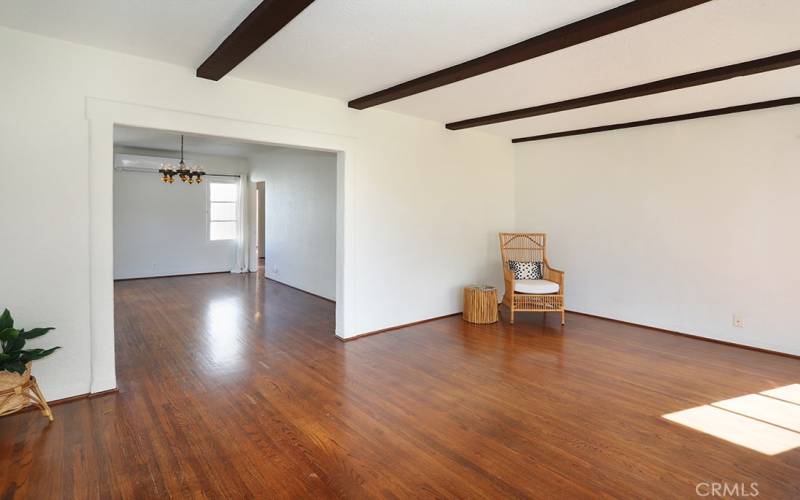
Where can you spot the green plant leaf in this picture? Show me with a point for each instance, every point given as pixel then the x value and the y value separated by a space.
pixel 34 354
pixel 6 321
pixel 13 356
pixel 8 334
pixel 34 332
pixel 15 344
pixel 16 366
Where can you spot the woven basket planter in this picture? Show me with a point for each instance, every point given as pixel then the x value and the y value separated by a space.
pixel 19 391
pixel 14 390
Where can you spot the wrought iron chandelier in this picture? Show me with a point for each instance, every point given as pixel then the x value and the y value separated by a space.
pixel 188 175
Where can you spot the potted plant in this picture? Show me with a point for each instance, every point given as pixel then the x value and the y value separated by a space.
pixel 16 382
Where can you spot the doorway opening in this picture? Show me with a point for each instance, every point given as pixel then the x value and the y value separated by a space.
pixel 168 229
pixel 104 116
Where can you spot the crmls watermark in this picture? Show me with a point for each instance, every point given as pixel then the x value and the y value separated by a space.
pixel 726 489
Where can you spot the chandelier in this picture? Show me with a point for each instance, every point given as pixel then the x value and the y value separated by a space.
pixel 188 175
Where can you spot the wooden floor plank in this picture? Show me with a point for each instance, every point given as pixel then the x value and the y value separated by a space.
pixel 233 386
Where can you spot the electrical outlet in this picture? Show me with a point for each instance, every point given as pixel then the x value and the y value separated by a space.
pixel 275 269
pixel 738 322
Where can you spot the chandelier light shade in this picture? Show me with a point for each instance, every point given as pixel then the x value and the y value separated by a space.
pixel 188 175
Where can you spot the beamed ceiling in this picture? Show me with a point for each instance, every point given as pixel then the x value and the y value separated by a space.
pixel 354 48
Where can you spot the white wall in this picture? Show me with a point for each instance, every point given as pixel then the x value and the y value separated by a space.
pixel 678 226
pixel 162 229
pixel 300 237
pixel 428 202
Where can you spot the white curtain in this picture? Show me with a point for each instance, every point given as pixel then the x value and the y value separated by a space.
pixel 242 264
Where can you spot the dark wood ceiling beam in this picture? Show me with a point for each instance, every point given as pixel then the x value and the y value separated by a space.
pixel 788 101
pixel 265 20
pixel 678 82
pixel 605 23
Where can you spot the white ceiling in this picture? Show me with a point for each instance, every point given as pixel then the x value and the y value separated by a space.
pixel 348 49
pixel 183 32
pixel 161 140
pixel 714 34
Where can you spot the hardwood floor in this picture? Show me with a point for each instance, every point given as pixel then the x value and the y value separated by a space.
pixel 233 386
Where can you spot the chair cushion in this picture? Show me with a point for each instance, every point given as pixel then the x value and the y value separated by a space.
pixel 535 286
pixel 526 270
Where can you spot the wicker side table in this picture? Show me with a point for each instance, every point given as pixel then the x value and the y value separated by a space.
pixel 480 304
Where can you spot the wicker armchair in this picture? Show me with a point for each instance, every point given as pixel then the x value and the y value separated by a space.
pixel 545 295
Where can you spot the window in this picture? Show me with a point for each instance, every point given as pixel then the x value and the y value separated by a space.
pixel 222 210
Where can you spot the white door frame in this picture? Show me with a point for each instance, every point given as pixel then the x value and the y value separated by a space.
pixel 103 115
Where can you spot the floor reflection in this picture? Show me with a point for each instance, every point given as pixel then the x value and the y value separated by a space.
pixel 535 337
pixel 225 332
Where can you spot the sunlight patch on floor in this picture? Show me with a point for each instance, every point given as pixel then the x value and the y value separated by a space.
pixel 770 410
pixel 790 393
pixel 762 422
